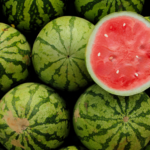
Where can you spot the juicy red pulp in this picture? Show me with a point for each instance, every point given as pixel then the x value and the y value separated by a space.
pixel 120 55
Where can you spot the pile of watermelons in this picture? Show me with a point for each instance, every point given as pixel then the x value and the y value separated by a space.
pixel 74 74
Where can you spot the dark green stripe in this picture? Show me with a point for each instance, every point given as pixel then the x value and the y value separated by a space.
pixel 119 7
pixel 22 52
pixel 46 43
pixel 84 75
pixel 71 26
pixel 3 31
pixel 36 142
pixel 79 49
pixel 38 105
pixel 57 70
pixel 28 142
pixel 7 137
pixel 2 72
pixel 127 101
pixel 14 101
pixel 121 136
pixel 118 104
pixel 134 6
pixel 99 14
pixel 89 6
pixel 97 117
pixel 141 124
pixel 49 136
pixel 143 98
pixel 102 132
pixel 58 31
pixel 36 15
pixel 92 93
pixel 8 38
pixel 49 120
pixel 138 135
pixel 107 103
pixel 66 86
pixel 3 126
pixel 16 63
pixel 128 146
pixel 32 93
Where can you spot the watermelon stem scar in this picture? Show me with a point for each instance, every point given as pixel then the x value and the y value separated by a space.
pixel 118 53
pixel 125 119
pixel 17 124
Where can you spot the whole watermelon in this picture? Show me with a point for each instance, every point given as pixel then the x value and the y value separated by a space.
pixel 32 15
pixel 104 121
pixel 58 53
pixel 94 10
pixel 15 54
pixel 33 117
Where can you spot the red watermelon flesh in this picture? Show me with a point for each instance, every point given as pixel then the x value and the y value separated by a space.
pixel 120 55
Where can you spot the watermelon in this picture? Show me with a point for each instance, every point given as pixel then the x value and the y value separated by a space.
pixel 147 147
pixel 58 53
pixel 31 15
pixel 94 10
pixel 69 148
pixel 104 121
pixel 15 54
pixel 73 147
pixel 33 117
pixel 118 53
pixel 147 18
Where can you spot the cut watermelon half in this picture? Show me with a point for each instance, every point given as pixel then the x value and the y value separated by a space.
pixel 118 53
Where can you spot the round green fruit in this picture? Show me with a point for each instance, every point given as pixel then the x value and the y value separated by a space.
pixel 73 148
pixel 15 54
pixel 94 10
pixel 33 116
pixel 32 15
pixel 69 148
pixel 104 121
pixel 147 18
pixel 58 53
pixel 147 147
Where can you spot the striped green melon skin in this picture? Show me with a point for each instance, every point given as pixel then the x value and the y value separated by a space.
pixel 94 10
pixel 147 18
pixel 73 147
pixel 103 121
pixel 33 117
pixel 32 15
pixel 69 148
pixel 14 57
pixel 147 147
pixel 58 53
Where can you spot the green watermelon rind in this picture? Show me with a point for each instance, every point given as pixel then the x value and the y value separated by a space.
pixel 69 148
pixel 15 53
pixel 105 121
pixel 89 47
pixel 45 118
pixel 31 15
pixel 58 53
pixel 95 10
